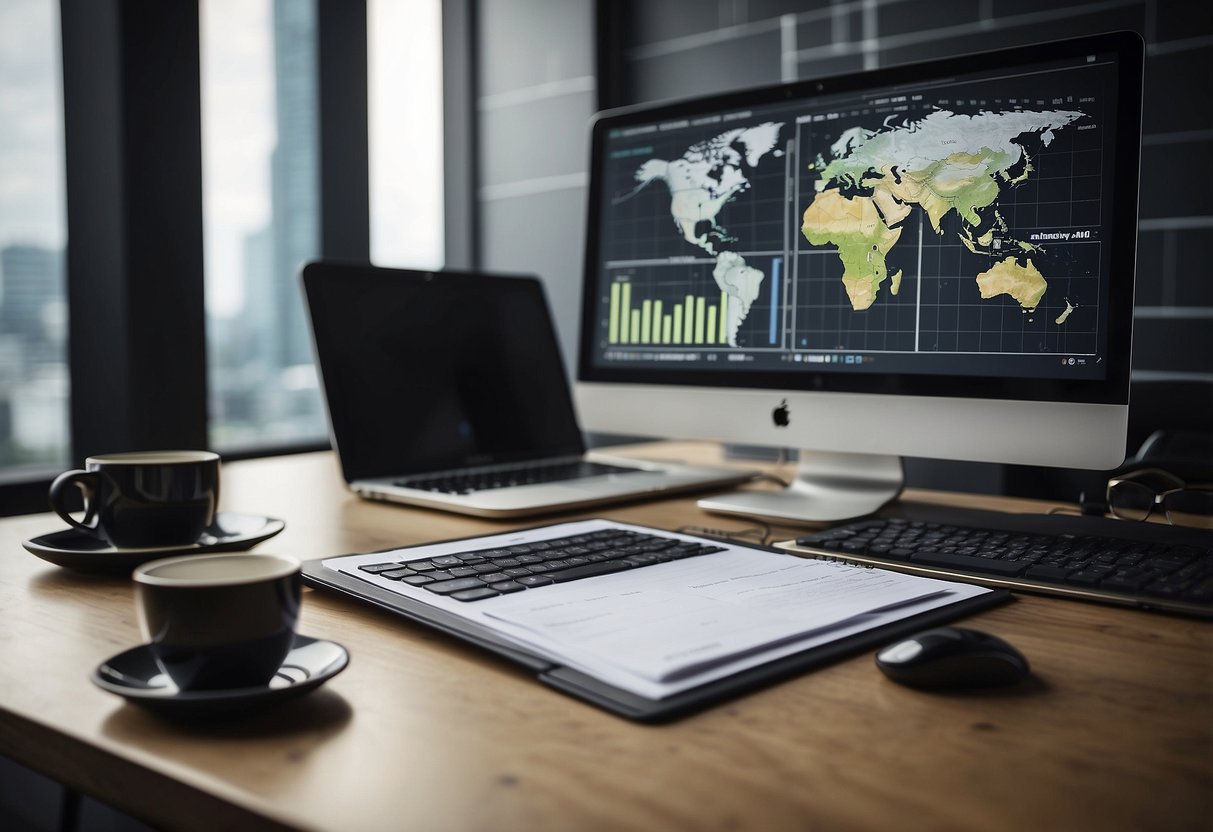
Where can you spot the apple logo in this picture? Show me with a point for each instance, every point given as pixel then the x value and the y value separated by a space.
pixel 780 415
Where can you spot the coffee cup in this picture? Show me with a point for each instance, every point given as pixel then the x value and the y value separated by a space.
pixel 219 622
pixel 143 499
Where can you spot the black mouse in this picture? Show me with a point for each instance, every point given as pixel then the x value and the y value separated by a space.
pixel 952 657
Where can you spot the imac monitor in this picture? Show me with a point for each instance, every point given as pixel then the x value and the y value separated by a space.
pixel 933 260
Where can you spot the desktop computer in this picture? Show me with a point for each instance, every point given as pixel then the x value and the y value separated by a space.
pixel 933 260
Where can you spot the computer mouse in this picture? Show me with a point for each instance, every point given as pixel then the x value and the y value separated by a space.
pixel 954 658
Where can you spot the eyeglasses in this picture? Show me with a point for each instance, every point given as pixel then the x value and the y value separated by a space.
pixel 1139 494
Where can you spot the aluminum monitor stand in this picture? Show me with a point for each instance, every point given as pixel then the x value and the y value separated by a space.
pixel 828 487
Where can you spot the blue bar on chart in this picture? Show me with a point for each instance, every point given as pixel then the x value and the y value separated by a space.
pixel 776 263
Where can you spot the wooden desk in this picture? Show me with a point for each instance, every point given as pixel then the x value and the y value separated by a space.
pixel 422 732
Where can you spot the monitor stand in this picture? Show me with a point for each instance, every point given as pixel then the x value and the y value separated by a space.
pixel 828 487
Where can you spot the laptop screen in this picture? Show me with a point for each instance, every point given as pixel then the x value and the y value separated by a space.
pixel 429 371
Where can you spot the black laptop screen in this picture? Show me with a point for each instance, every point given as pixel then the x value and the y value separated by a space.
pixel 428 371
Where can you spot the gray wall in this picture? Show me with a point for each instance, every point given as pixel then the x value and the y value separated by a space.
pixel 535 95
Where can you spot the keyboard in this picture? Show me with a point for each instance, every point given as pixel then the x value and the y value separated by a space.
pixel 1140 564
pixel 485 573
pixel 505 476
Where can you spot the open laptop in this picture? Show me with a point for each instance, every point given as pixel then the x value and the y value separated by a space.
pixel 447 390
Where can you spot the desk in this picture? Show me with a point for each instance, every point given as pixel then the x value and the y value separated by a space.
pixel 423 732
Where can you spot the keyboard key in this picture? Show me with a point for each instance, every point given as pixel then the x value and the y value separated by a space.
pixel 376 568
pixel 702 549
pixel 463 571
pixel 1122 583
pixel 534 580
pixel 1164 564
pixel 1202 591
pixel 446 561
pixel 454 585
pixel 984 566
pixel 589 570
pixel 1088 577
pixel 507 586
pixel 417 580
pixel 474 594
pixel 397 573
pixel 1044 572
pixel 641 560
pixel 1163 589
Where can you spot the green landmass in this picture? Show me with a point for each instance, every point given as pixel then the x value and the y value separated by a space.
pixel 854 226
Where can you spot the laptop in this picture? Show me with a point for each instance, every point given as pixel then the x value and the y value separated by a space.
pixel 446 390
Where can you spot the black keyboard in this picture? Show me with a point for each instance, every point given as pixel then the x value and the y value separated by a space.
pixel 504 476
pixel 1146 565
pixel 485 573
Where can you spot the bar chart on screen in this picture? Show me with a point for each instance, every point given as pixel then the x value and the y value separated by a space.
pixel 686 319
pixel 701 305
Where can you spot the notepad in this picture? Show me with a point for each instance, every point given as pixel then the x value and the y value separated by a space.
pixel 676 624
pixel 660 630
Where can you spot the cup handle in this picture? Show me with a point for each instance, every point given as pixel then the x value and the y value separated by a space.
pixel 87 482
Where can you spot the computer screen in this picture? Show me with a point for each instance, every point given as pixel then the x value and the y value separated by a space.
pixel 932 260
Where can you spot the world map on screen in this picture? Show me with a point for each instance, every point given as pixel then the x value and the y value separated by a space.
pixel 865 186
pixel 942 163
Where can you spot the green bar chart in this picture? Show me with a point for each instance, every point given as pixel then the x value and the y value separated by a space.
pixel 690 320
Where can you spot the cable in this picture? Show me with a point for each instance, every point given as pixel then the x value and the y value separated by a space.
pixel 772 478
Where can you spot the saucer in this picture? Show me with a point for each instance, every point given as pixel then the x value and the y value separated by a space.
pixel 76 550
pixel 135 676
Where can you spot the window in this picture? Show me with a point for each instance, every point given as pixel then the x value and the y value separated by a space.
pixel 282 88
pixel 262 194
pixel 261 219
pixel 405 92
pixel 33 309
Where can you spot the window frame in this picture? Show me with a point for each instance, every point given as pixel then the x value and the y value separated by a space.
pixel 133 180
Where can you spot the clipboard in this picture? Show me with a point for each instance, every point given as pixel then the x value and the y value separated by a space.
pixel 611 697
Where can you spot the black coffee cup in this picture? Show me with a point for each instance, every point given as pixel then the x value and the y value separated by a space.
pixel 219 622
pixel 143 499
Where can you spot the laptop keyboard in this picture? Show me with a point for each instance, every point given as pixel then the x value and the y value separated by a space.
pixel 486 573
pixel 527 473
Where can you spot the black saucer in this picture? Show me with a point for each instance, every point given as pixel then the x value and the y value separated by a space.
pixel 135 676
pixel 76 550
